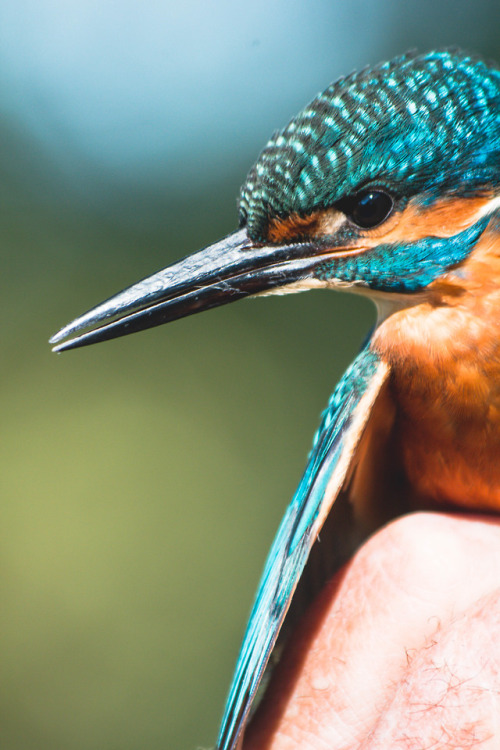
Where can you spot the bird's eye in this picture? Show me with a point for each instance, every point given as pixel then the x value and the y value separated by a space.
pixel 368 208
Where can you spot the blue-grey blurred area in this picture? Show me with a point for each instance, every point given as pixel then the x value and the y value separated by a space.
pixel 142 480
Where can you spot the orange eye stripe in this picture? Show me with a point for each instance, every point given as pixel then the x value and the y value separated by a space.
pixel 442 219
pixel 294 226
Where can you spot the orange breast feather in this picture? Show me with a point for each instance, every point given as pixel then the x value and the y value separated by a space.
pixel 445 358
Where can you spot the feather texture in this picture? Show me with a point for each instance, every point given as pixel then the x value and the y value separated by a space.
pixel 329 462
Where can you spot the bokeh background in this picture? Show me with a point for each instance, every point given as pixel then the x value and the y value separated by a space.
pixel 142 480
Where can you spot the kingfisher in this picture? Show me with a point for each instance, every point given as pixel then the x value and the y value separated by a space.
pixel 388 185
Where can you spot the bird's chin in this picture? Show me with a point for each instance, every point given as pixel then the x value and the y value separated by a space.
pixel 389 303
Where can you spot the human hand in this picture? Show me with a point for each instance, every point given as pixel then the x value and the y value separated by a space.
pixel 400 650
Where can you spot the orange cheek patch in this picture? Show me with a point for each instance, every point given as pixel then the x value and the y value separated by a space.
pixel 443 219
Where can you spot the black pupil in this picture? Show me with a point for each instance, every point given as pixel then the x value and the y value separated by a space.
pixel 369 208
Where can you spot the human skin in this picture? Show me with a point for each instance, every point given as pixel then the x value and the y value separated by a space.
pixel 400 650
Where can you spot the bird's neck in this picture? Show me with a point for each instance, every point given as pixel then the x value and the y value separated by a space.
pixel 458 315
pixel 444 355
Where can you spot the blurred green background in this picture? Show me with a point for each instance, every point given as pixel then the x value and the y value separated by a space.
pixel 142 480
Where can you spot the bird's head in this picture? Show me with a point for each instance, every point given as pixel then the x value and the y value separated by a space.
pixel 383 183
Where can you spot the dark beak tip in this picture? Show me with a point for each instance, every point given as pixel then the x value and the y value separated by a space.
pixel 230 269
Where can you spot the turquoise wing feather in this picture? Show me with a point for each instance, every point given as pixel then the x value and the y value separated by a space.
pixel 341 427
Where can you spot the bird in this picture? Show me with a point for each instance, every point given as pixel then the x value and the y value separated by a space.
pixel 387 184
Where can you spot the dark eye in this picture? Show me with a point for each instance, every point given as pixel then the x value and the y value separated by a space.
pixel 368 208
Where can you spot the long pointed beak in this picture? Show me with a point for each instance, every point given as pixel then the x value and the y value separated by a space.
pixel 230 269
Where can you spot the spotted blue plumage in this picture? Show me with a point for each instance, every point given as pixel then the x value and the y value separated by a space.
pixel 292 544
pixel 426 125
